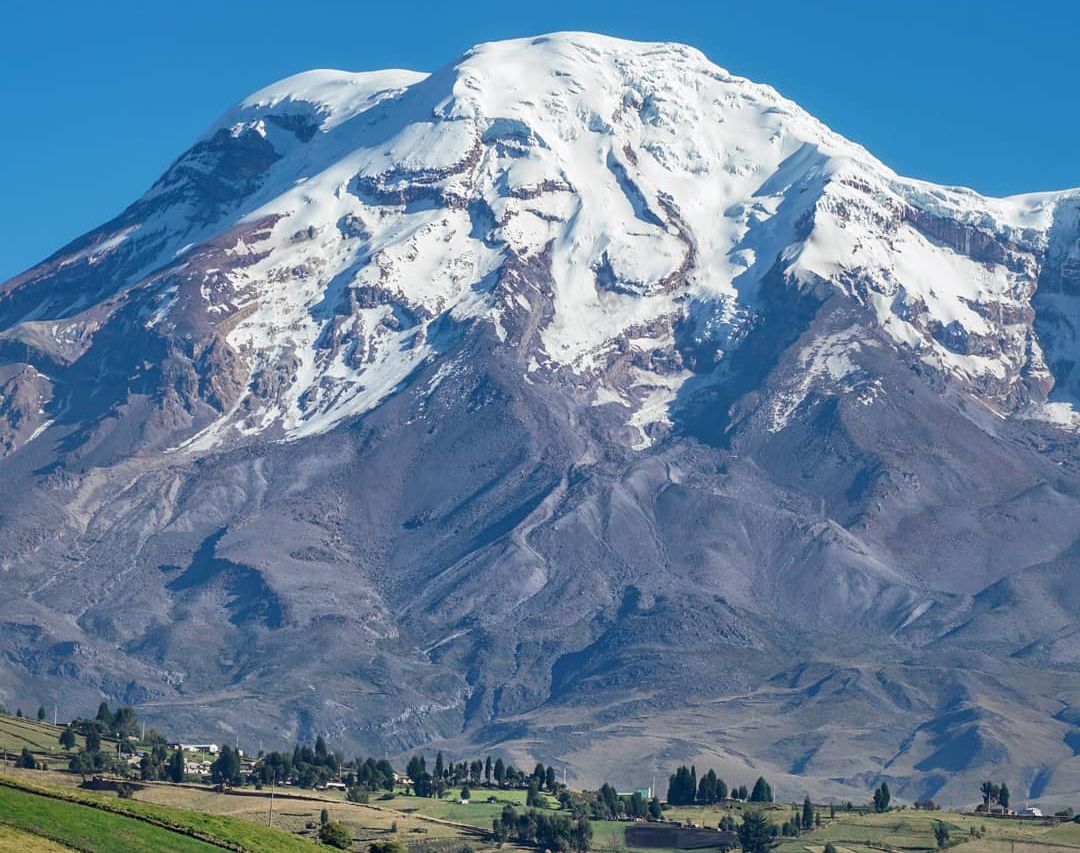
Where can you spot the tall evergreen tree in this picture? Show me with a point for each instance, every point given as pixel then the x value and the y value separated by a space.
pixel 41 712
pixel 755 833
pixel 762 792
pixel 1003 795
pixel 67 738
pixel 882 797
pixel 175 767
pixel 682 787
pixel 807 813
pixel 499 772
pixel 487 770
pixel 226 768
pixel 550 780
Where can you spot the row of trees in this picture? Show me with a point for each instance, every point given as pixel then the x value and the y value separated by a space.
pixel 555 832
pixel 444 775
pixel 685 789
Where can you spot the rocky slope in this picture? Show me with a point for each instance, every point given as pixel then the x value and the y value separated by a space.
pixel 580 401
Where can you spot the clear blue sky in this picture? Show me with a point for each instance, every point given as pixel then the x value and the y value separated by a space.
pixel 99 97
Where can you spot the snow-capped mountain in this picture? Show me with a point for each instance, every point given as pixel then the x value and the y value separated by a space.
pixel 509 381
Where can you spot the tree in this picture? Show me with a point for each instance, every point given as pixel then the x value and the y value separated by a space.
pixel 67 738
pixel 762 792
pixel 466 794
pixel 807 813
pixel 550 781
pixel 93 740
pixel 500 772
pixel 755 833
pixel 941 835
pixel 990 793
pixel 656 811
pixel 83 763
pixel 708 787
pixel 440 766
pixel 124 723
pixel 324 817
pixel 1003 795
pixel 26 760
pixel 487 770
pixel 415 767
pixel 41 712
pixel 104 716
pixel 882 797
pixel 682 787
pixel 18 713
pixel 226 769
pixel 829 847
pixel 174 770
pixel 533 798
pixel 334 834
pixel 387 847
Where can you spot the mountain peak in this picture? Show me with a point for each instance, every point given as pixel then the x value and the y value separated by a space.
pixel 458 406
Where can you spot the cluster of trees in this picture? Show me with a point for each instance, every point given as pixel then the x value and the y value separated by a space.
pixel 994 794
pixel 804 819
pixel 685 789
pixel 607 804
pixel 226 769
pixel 307 766
pixel 555 832
pixel 882 797
pixel 122 725
pixel 371 775
pixel 158 763
pixel 444 775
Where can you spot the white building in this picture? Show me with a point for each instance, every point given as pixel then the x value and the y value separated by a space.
pixel 1030 811
pixel 212 748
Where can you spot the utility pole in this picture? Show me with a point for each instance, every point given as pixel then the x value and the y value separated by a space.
pixel 273 782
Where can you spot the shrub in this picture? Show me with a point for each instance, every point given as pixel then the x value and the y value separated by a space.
pixel 335 835
pixel 26 760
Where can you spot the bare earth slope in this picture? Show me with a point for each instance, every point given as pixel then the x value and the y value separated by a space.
pixel 580 401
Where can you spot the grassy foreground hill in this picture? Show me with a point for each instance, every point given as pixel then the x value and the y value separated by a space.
pixel 107 824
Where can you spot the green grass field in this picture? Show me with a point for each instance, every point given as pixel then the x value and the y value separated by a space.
pixel 479 812
pixel 86 828
pixel 79 810
pixel 42 739
pixel 14 840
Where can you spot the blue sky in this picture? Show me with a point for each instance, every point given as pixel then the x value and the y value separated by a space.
pixel 98 98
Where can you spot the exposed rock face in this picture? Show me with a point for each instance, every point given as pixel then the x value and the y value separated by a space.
pixel 612 413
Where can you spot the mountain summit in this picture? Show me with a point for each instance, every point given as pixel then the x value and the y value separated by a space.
pixel 579 400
